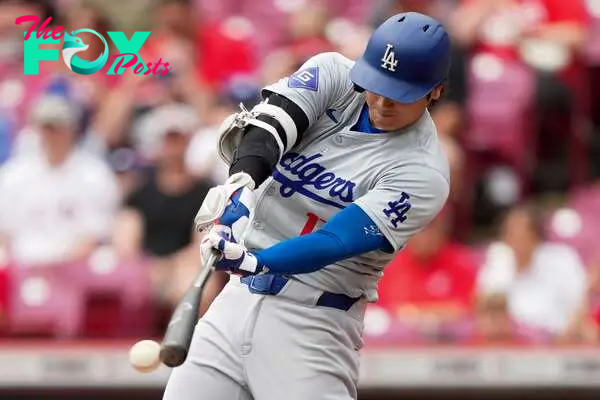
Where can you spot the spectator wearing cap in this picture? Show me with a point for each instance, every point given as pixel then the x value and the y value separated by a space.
pixel 156 224
pixel 151 129
pixel 544 283
pixel 57 203
pixel 429 285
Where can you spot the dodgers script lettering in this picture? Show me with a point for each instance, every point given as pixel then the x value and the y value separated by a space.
pixel 312 175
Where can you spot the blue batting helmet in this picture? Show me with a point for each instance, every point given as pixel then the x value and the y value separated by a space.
pixel 406 57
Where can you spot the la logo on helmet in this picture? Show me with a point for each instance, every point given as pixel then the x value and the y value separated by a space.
pixel 389 59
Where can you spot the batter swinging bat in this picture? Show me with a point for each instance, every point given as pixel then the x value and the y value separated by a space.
pixel 177 339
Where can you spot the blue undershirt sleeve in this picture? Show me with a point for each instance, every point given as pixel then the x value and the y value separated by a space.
pixel 349 233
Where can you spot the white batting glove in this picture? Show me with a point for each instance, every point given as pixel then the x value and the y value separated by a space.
pixel 233 257
pixel 231 204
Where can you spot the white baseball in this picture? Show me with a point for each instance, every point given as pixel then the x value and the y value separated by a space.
pixel 144 356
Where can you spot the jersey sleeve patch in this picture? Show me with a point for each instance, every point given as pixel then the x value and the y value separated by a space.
pixel 396 210
pixel 307 78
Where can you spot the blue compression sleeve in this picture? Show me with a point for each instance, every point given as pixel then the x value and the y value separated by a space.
pixel 349 233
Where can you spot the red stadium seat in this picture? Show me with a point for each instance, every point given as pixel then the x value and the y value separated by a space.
pixel 592 59
pixel 578 223
pixel 117 296
pixel 102 298
pixel 381 327
pixel 44 301
pixel 105 272
pixel 498 126
pixel 499 110
pixel 592 48
pixel 586 197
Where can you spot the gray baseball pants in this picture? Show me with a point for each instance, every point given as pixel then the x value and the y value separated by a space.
pixel 271 347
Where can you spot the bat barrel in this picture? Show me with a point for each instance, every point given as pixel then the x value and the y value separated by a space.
pixel 176 342
pixel 173 354
pixel 178 337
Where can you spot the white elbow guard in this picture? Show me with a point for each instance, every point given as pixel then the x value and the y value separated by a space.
pixel 233 127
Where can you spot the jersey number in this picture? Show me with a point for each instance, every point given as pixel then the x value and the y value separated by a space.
pixel 311 223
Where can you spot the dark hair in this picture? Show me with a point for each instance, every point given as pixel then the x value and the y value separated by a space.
pixel 46 7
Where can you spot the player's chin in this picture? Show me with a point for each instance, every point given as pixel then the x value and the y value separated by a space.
pixel 386 123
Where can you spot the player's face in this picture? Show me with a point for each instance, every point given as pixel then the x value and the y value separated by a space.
pixel 389 115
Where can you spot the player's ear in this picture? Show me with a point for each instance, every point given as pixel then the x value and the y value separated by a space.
pixel 436 93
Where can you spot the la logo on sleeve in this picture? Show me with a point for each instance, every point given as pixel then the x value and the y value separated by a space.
pixel 396 210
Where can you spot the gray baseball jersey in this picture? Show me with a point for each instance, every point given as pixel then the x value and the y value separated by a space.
pixel 399 179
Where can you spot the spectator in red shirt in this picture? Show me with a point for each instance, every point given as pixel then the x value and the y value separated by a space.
pixel 219 50
pixel 432 280
pixel 512 29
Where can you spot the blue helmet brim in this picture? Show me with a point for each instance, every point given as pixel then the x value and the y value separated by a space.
pixel 380 82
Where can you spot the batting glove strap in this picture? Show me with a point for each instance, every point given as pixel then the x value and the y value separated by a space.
pixel 238 212
pixel 233 257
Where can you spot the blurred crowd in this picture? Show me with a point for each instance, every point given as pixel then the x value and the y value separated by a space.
pixel 101 175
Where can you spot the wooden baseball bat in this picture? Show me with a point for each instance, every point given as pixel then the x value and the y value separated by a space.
pixel 176 342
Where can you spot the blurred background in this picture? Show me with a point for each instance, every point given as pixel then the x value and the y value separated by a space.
pixel 101 176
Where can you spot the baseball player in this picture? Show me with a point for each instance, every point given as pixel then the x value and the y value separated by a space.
pixel 330 176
